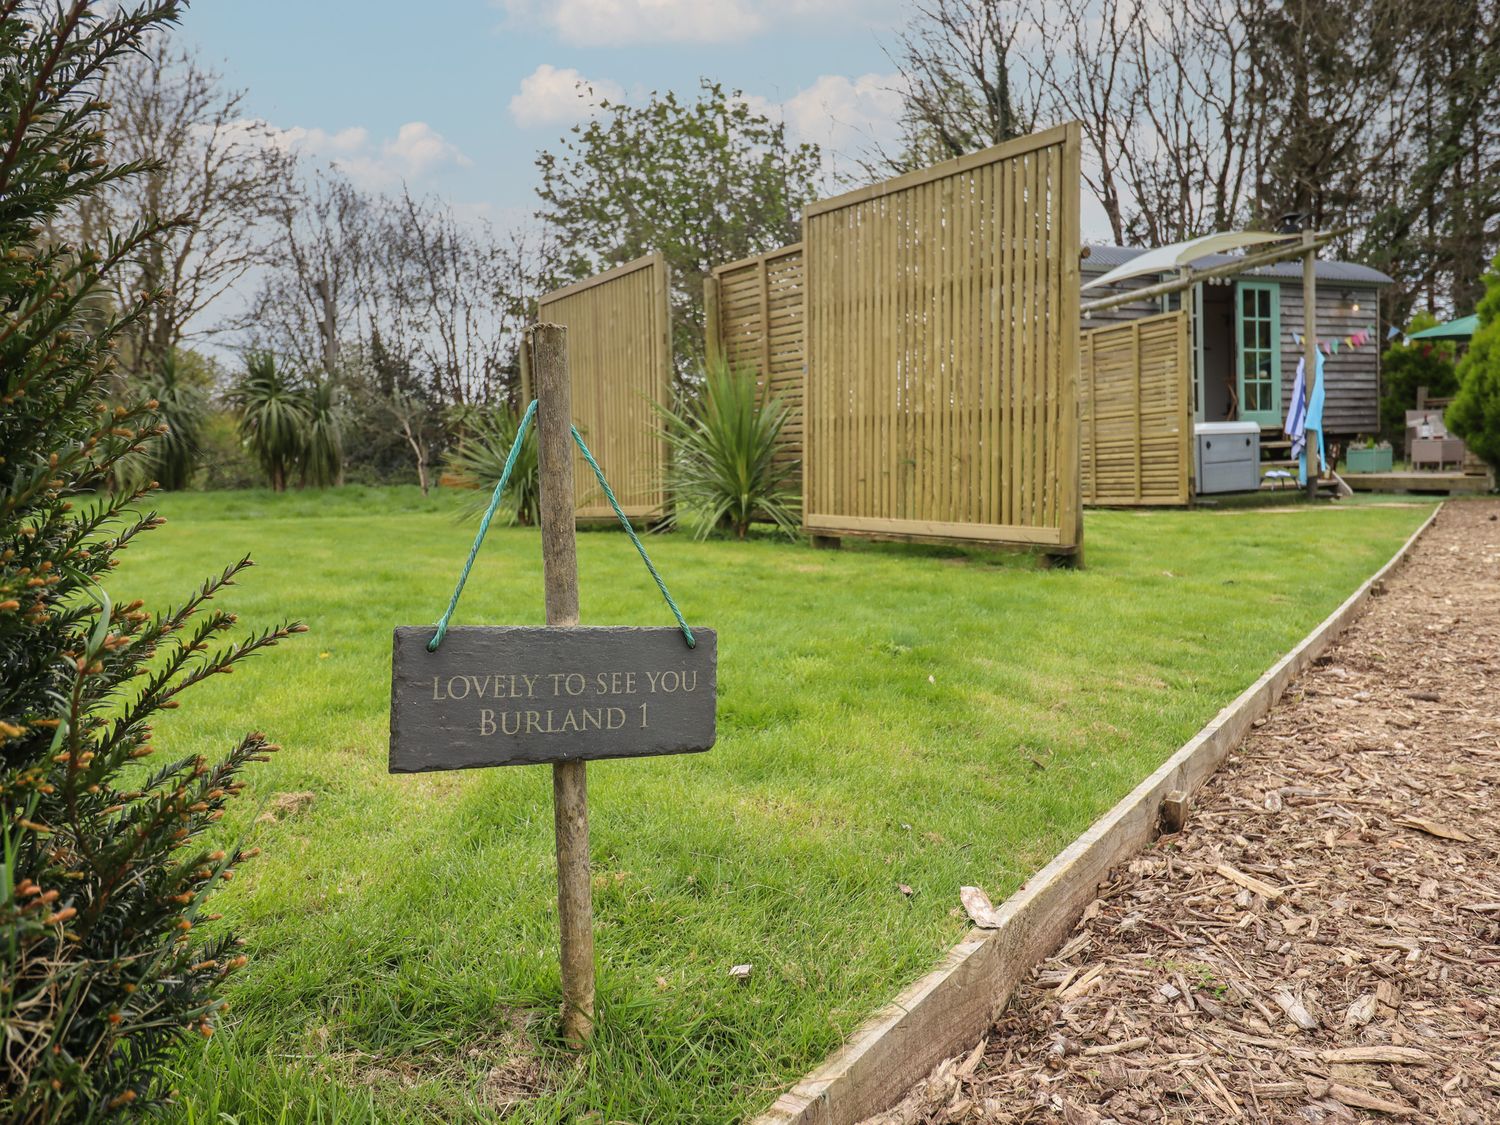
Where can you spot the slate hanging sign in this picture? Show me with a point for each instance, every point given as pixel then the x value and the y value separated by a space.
pixel 524 696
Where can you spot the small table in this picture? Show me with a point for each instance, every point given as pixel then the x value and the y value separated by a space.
pixel 1438 451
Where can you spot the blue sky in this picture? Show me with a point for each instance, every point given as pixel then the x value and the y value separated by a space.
pixel 456 96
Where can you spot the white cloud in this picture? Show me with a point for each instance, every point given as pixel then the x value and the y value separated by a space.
pixel 610 23
pixel 599 23
pixel 413 153
pixel 418 148
pixel 848 118
pixel 551 95
pixel 846 115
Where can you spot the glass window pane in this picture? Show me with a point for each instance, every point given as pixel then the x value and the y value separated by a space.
pixel 1259 345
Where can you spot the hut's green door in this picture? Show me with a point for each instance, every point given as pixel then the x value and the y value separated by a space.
pixel 1257 334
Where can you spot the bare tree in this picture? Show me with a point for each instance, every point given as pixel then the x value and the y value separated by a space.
pixel 1155 94
pixel 412 312
pixel 1186 153
pixel 958 73
pixel 455 298
pixel 1081 67
pixel 324 282
pixel 215 169
pixel 1379 115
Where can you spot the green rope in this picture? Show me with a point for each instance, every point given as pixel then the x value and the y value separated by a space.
pixel 609 494
pixel 484 526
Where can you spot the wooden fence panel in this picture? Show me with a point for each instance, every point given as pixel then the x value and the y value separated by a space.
pixel 620 356
pixel 756 313
pixel 942 351
pixel 1136 412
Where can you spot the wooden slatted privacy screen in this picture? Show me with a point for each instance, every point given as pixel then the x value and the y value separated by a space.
pixel 942 340
pixel 756 315
pixel 1136 412
pixel 620 356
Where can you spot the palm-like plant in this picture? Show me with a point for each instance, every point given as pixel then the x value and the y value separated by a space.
pixel 183 407
pixel 479 459
pixel 274 416
pixel 726 464
pixel 323 440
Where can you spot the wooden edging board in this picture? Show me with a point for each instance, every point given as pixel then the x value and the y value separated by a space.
pixel 947 1011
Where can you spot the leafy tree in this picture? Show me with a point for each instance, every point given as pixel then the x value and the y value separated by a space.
pixel 394 421
pixel 703 182
pixel 107 954
pixel 1404 367
pixel 1475 413
pixel 274 416
pixel 725 466
pixel 226 463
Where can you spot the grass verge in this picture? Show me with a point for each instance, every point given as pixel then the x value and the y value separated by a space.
pixel 888 715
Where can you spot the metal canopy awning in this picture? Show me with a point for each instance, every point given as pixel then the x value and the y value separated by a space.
pixel 1181 256
pixel 1166 259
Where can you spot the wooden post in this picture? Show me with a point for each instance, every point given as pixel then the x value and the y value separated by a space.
pixel 1174 810
pixel 713 344
pixel 765 321
pixel 575 910
pixel 1310 351
pixel 528 382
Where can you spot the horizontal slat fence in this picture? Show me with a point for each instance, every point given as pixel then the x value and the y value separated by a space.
pixel 756 315
pixel 620 357
pixel 1136 412
pixel 942 351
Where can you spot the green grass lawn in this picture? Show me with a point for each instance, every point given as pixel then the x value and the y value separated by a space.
pixel 888 715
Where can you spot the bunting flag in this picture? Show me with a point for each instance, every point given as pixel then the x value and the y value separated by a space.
pixel 1356 339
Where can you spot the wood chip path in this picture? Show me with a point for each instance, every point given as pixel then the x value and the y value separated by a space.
pixel 1322 941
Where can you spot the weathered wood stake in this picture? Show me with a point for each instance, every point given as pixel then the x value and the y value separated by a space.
pixel 575 908
pixel 1174 810
pixel 528 384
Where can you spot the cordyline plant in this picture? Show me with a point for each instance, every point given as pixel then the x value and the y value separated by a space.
pixel 105 956
pixel 727 463
pixel 479 458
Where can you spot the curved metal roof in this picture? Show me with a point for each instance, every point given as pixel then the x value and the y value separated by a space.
pixel 1104 259
pixel 1164 259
